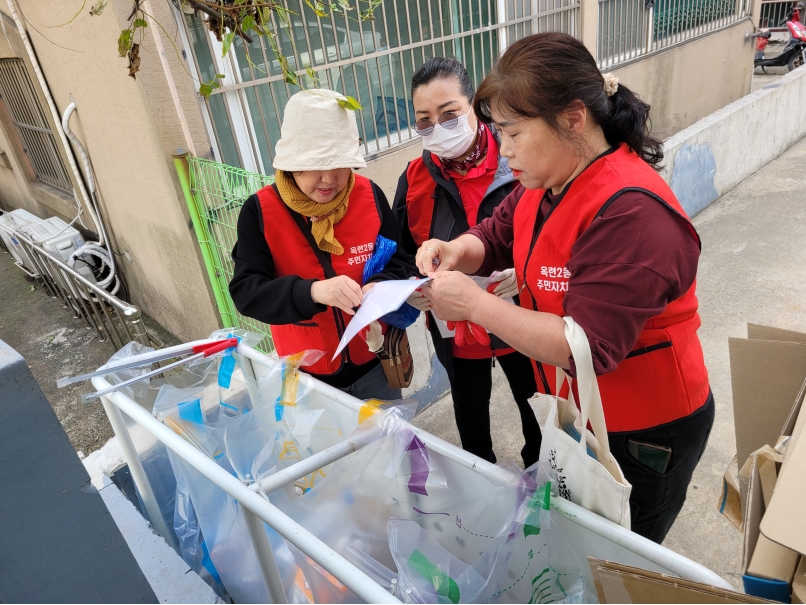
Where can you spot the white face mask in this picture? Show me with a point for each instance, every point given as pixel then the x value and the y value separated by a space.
pixel 450 143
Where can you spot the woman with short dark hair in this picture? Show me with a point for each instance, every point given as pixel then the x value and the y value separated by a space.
pixel 457 183
pixel 594 233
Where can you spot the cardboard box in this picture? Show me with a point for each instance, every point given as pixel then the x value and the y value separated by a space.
pixel 799 583
pixel 768 375
pixel 616 583
pixel 767 372
pixel 785 520
pixel 772 561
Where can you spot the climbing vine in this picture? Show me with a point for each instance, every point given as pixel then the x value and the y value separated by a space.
pixel 226 19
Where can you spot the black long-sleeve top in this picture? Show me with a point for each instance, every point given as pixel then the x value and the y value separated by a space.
pixel 258 293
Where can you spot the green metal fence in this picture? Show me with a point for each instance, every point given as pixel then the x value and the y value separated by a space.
pixel 214 193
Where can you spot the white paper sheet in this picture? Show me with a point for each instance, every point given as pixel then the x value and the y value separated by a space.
pixel 385 297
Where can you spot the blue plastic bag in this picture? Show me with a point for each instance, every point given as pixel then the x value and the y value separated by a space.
pixel 384 250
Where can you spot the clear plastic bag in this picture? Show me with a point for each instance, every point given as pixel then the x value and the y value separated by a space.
pixel 527 562
pixel 139 389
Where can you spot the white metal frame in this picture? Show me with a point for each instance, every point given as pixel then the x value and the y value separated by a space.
pixel 257 508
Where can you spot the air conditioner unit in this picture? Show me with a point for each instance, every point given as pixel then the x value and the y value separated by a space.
pixel 61 240
pixel 14 221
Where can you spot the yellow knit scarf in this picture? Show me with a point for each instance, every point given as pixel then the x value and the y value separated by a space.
pixel 323 216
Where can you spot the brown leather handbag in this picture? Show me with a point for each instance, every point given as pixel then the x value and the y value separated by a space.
pixel 396 359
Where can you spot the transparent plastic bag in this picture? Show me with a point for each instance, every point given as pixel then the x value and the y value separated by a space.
pixel 529 561
pixel 395 476
pixel 427 569
pixel 139 389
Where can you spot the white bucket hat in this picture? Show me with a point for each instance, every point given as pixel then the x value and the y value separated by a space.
pixel 318 134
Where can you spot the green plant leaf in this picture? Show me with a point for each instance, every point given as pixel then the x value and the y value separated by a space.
pixel 98 8
pixel 139 23
pixel 220 76
pixel 345 4
pixel 207 88
pixel 247 23
pixel 311 73
pixel 349 103
pixel 228 39
pixel 124 42
pixel 317 6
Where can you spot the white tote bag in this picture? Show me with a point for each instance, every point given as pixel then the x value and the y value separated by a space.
pixel 597 484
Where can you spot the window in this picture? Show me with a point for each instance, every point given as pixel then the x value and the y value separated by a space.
pixel 37 138
pixel 372 61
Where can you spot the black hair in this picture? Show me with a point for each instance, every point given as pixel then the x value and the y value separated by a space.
pixel 540 75
pixel 439 68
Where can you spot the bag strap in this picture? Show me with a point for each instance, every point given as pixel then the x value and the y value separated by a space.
pixel 590 400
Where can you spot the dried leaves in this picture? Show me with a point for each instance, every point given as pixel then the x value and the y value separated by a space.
pixel 134 60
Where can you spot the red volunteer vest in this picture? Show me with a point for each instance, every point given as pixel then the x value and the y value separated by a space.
pixel 664 377
pixel 420 201
pixel 293 254
pixel 421 196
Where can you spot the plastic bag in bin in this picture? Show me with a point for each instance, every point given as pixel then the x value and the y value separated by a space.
pixel 527 562
pixel 137 390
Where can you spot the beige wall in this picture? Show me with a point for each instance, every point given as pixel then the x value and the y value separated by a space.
pixel 130 130
pixel 386 169
pixel 693 80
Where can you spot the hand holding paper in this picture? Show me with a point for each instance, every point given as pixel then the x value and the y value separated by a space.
pixel 383 298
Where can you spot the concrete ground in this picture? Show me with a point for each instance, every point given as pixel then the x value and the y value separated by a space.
pixel 56 345
pixel 752 269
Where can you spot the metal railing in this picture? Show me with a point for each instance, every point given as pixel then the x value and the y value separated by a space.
pixel 372 61
pixel 214 194
pixel 112 318
pixel 629 29
pixel 38 140
pixel 773 14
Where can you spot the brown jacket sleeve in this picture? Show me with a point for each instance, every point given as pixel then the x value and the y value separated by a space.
pixel 496 233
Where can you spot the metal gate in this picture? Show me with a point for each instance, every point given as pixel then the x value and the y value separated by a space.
pixel 215 193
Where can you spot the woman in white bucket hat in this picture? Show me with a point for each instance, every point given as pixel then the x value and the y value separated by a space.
pixel 303 242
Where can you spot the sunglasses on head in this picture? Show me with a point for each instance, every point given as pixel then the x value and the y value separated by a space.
pixel 448 120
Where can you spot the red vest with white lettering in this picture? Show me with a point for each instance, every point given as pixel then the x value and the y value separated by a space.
pixel 293 254
pixel 664 377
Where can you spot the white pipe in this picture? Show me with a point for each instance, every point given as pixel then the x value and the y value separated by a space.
pixel 313 463
pixel 180 113
pixel 136 468
pixel 356 580
pixel 265 557
pixel 55 114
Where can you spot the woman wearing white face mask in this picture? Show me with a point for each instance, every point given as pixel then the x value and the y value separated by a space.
pixel 458 182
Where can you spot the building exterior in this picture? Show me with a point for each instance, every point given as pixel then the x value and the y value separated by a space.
pixel 687 58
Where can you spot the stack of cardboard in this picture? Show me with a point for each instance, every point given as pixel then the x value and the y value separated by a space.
pixel 766 501
pixel 617 583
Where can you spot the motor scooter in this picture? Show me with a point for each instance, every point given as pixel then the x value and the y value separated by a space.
pixel 794 53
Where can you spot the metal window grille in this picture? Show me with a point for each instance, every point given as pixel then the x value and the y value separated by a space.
pixel 38 140
pixel 629 29
pixel 773 14
pixel 372 61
